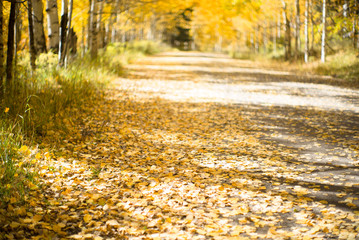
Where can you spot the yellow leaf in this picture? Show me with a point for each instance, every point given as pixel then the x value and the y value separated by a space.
pixel 14 224
pixel 38 156
pixel 7 110
pixel 13 200
pixel 87 218
pixel 24 150
pixel 112 223
pixel 37 218
pixel 56 228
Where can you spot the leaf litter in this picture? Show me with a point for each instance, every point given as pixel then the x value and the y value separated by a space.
pixel 150 168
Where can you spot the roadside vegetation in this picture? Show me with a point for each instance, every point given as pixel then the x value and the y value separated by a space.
pixel 341 68
pixel 40 105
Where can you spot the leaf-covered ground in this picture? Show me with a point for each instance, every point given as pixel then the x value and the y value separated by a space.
pixel 195 146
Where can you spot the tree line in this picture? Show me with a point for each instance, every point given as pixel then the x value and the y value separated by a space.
pixel 299 28
pixel 66 27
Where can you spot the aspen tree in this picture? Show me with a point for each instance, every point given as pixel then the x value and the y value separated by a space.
pixel 53 25
pixel 63 25
pixel 10 46
pixel 1 47
pixel 306 35
pixel 324 23
pixel 297 27
pixel 32 48
pixel 93 29
pixel 38 21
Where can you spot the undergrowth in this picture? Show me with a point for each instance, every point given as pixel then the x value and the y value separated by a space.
pixel 340 65
pixel 40 106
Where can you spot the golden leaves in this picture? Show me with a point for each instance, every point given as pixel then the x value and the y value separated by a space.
pixel 87 218
pixel 166 170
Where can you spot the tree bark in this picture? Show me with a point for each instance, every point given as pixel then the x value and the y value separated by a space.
pixel 93 29
pixel 306 36
pixel 354 26
pixel 10 46
pixel 279 27
pixel 38 19
pixel 18 24
pixel 31 37
pixel 67 41
pixel 274 38
pixel 115 21
pixel 297 28
pixel 312 24
pixel 1 47
pixel 324 22
pixel 53 25
pixel 100 26
pixel 88 36
pixel 287 36
pixel 63 25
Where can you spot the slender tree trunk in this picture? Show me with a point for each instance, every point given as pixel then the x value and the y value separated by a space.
pixel 38 19
pixel 257 39
pixel 1 48
pixel 275 38
pixel 306 47
pixel 88 38
pixel 312 24
pixel 346 9
pixel 354 26
pixel 68 36
pixel 265 40
pixel 53 25
pixel 297 28
pixel 83 49
pixel 287 40
pixel 63 25
pixel 324 31
pixel 10 46
pixel 93 29
pixel 18 23
pixel 279 27
pixel 99 25
pixel 31 37
pixel 115 21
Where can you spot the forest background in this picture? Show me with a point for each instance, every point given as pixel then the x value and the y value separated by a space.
pixel 57 56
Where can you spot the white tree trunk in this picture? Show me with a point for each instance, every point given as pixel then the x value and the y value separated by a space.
pixel 38 21
pixel 100 25
pixel 275 38
pixel 311 23
pixel 53 25
pixel 279 27
pixel 115 21
pixel 306 48
pixel 297 27
pixel 346 9
pixel 324 30
pixel 64 19
pixel 68 37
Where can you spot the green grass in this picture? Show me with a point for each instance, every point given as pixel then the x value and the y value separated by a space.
pixel 40 106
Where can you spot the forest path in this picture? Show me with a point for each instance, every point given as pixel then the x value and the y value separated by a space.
pixel 200 146
pixel 317 123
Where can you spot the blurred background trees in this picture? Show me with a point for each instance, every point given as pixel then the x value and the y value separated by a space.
pixel 293 29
